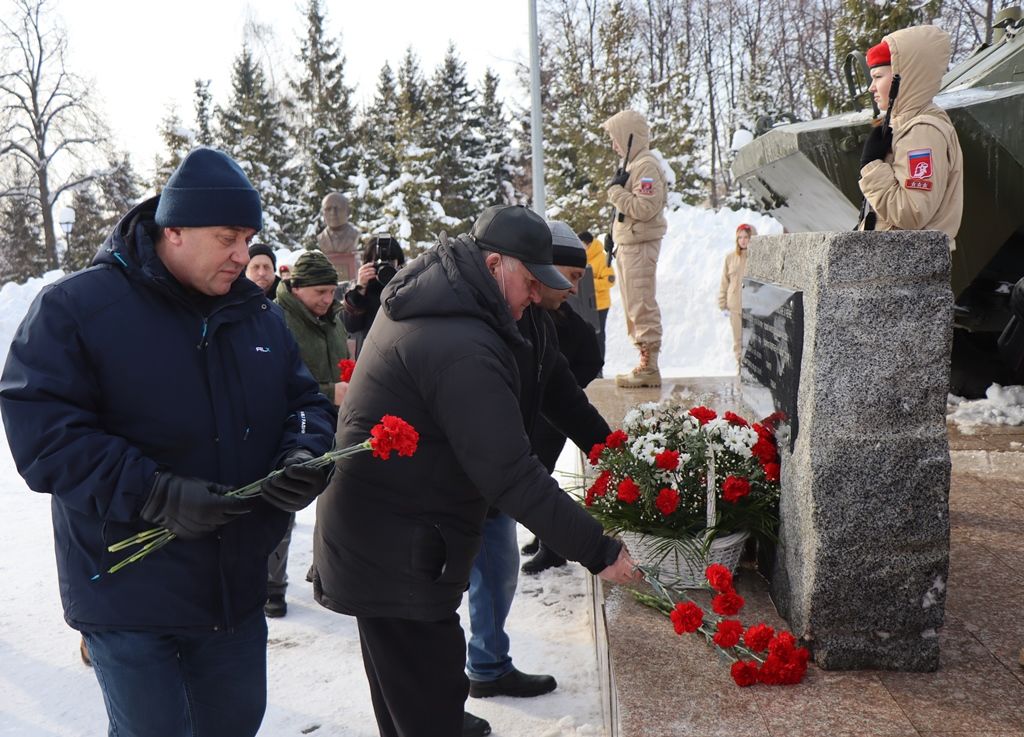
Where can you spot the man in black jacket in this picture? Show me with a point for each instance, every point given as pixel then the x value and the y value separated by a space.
pixel 577 341
pixel 548 391
pixel 396 540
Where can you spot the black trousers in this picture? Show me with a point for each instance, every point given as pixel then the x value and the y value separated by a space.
pixel 418 684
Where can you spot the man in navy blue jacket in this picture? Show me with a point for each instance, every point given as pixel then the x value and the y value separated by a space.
pixel 136 393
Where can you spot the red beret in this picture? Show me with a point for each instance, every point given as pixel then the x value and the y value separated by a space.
pixel 879 56
pixel 744 226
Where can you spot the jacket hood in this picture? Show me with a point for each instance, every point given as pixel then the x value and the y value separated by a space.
pixel 130 244
pixel 449 281
pixel 920 55
pixel 627 122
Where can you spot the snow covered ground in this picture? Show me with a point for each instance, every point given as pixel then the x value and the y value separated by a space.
pixel 317 685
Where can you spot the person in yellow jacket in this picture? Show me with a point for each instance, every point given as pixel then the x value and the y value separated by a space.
pixel 912 173
pixel 604 277
pixel 731 288
pixel 639 195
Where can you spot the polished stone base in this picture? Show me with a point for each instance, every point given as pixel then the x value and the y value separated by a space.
pixel 658 684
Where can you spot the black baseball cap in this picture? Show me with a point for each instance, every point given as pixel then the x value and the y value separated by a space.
pixel 516 231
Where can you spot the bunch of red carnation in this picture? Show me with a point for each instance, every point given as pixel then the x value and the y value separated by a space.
pixel 346 366
pixel 759 653
pixel 766 450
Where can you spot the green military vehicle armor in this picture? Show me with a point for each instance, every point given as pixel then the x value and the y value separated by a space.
pixel 805 175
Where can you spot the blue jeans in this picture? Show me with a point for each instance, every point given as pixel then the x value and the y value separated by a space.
pixel 492 585
pixel 210 684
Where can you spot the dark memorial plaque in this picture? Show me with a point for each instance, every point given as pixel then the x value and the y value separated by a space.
pixel 773 339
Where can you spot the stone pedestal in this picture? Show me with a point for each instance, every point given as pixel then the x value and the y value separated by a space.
pixel 864 542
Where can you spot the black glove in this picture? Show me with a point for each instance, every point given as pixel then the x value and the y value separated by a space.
pixel 620 178
pixel 190 508
pixel 877 145
pixel 296 486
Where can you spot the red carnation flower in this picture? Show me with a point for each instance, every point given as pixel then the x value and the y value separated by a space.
pixel 704 415
pixel 734 419
pixel 687 617
pixel 719 577
pixel 600 485
pixel 667 460
pixel 735 488
pixel 772 421
pixel 758 636
pixel 595 453
pixel 744 672
pixel 783 645
pixel 616 439
pixel 784 669
pixel 667 501
pixel 771 472
pixel 764 433
pixel 728 633
pixel 764 451
pixel 727 603
pixel 393 434
pixel 629 492
pixel 346 366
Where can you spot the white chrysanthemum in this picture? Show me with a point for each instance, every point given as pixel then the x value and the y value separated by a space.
pixel 716 427
pixel 632 419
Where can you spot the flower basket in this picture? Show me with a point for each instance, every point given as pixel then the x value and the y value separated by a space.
pixel 685 488
pixel 681 562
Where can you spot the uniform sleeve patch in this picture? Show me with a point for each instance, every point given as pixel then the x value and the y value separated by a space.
pixel 914 183
pixel 919 162
pixel 647 185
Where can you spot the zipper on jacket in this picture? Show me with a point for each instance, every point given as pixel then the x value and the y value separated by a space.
pixel 202 336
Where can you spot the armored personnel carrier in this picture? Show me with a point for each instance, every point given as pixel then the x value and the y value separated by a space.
pixel 805 175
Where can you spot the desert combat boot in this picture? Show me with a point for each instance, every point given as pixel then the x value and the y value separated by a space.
pixel 646 373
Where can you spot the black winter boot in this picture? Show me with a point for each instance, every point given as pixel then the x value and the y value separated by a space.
pixel 276 606
pixel 531 547
pixel 544 559
pixel 474 726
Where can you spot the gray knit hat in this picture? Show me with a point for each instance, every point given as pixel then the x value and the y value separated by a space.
pixel 566 247
pixel 313 269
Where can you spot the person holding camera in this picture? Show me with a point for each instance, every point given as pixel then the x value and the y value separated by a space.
pixel 382 259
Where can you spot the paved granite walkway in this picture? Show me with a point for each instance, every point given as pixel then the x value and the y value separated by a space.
pixel 660 684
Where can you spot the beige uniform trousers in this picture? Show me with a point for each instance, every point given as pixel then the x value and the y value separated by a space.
pixel 736 318
pixel 637 266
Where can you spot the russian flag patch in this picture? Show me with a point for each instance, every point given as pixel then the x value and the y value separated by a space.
pixel 647 185
pixel 919 161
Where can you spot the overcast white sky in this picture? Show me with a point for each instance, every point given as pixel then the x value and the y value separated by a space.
pixel 142 56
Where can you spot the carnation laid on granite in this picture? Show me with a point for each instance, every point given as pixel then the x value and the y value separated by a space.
pixel 759 653
pixel 685 482
pixel 391 435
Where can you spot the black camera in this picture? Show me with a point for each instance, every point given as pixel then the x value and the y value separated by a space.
pixel 386 248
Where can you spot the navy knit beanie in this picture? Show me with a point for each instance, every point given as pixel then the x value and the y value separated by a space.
pixel 208 189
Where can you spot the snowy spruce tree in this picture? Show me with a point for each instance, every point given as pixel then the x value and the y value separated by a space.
pixel 378 209
pixel 204 113
pixel 98 206
pixel 451 130
pixel 89 231
pixel 253 131
pixel 22 252
pixel 324 119
pixel 178 141
pixel 412 200
pixel 496 168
